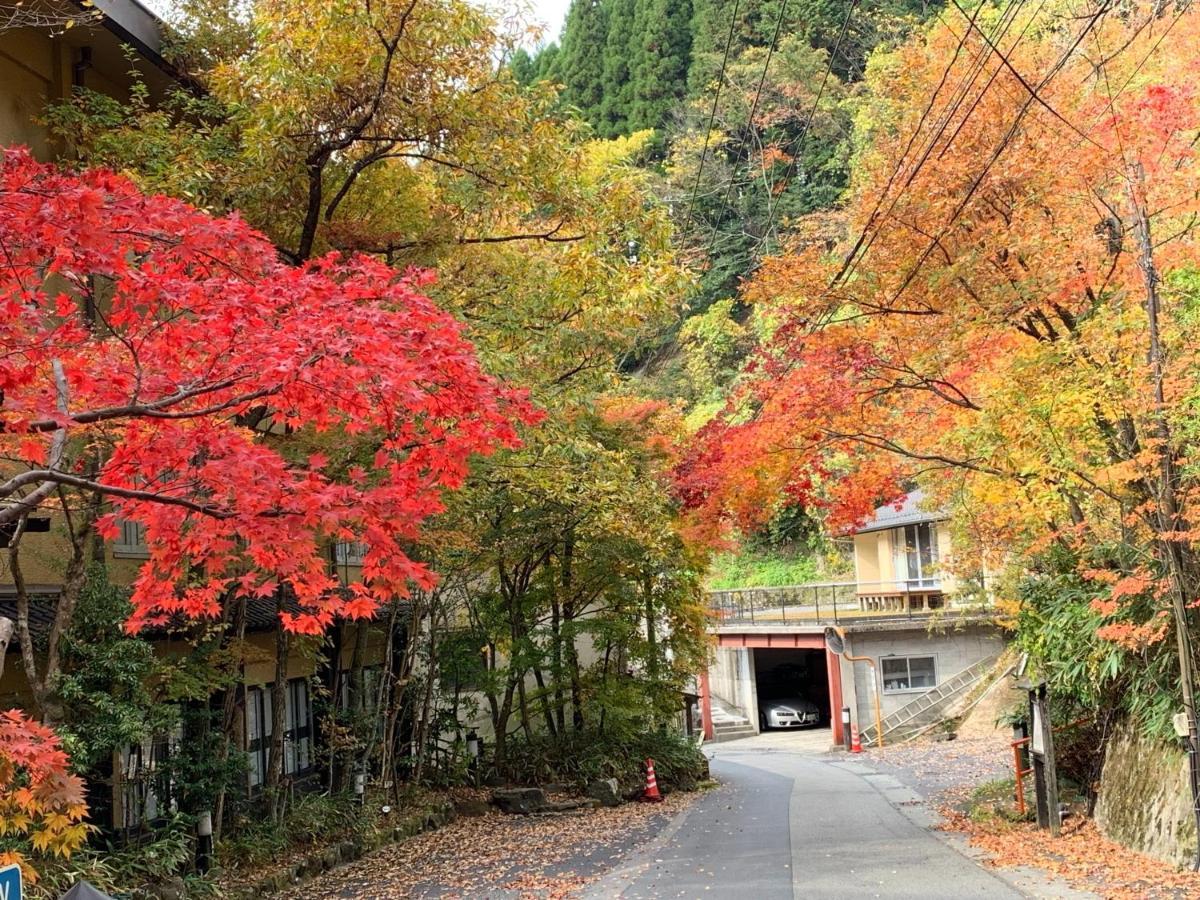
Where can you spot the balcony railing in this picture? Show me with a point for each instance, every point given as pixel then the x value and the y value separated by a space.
pixel 828 602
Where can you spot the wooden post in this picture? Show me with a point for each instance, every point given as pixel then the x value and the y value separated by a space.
pixel 1041 747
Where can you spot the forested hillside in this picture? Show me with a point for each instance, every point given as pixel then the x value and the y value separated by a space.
pixel 749 107
pixel 748 102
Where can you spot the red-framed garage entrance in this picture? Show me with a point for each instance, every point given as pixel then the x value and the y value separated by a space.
pixel 788 641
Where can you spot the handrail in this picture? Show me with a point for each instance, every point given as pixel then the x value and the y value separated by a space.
pixel 892 585
pixel 826 601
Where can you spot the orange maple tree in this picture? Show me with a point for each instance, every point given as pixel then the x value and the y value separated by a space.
pixel 40 800
pixel 1009 315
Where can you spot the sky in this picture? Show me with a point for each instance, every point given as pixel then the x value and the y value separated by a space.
pixel 551 13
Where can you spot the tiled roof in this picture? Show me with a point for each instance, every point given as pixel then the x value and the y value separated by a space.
pixel 911 512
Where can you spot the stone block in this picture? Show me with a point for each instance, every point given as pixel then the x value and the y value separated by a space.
pixel 522 800
pixel 607 791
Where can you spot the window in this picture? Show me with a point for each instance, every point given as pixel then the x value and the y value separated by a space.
pixel 349 553
pixel 297 736
pixel 908 673
pixel 145 787
pixel 916 555
pixel 131 540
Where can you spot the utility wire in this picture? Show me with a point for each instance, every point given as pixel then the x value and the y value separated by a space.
pixel 716 100
pixel 935 241
pixel 1033 92
pixel 861 242
pixel 799 148
pixel 862 247
pixel 750 122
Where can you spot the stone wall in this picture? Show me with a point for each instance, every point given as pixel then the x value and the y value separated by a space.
pixel 1144 801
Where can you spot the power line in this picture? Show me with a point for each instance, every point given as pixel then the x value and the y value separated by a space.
pixel 1033 92
pixel 998 152
pixel 812 112
pixel 863 243
pixel 750 120
pixel 960 94
pixel 713 113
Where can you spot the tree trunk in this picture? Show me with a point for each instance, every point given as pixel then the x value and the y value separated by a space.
pixel 229 707
pixel 274 783
pixel 500 716
pixel 557 671
pixel 544 701
pixel 524 709
pixel 1169 513
pixel 358 692
pixel 41 683
pixel 6 632
pixel 651 636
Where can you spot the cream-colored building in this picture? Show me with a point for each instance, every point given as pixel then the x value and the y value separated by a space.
pixel 902 557
pixel 42 65
pixel 912 636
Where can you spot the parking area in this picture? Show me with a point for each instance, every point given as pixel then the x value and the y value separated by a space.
pixel 796 677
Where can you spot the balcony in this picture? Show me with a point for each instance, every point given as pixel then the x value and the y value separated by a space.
pixel 828 603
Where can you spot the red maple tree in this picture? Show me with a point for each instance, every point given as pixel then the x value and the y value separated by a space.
pixel 170 362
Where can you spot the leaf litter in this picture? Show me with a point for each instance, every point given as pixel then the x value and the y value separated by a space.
pixel 501 856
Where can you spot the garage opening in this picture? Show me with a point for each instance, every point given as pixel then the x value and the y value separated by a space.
pixel 793 688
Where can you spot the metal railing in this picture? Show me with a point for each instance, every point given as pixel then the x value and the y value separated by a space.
pixel 828 602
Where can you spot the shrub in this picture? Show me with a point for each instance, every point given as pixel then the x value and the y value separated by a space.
pixel 579 757
pixel 120 869
pixel 312 819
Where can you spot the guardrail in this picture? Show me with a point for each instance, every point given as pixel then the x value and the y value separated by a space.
pixel 827 602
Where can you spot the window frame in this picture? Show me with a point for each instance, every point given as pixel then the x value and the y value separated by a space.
pixel 298 736
pixel 907 658
pixel 905 555
pixel 349 553
pixel 123 547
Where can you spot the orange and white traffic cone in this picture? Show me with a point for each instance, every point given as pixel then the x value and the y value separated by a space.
pixel 651 793
pixel 855 742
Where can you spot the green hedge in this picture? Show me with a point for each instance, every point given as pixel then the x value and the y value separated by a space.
pixel 580 757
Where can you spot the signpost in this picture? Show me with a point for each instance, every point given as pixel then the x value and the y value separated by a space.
pixel 10 883
pixel 1041 751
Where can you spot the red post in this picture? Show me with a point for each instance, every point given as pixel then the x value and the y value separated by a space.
pixel 706 704
pixel 833 674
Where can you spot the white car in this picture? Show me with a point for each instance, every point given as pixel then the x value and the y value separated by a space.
pixel 791 712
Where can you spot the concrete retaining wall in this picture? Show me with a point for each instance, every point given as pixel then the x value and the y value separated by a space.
pixel 731 680
pixel 953 650
pixel 1144 801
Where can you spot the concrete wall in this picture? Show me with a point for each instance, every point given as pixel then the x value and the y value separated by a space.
pixel 953 650
pixel 731 680
pixel 1144 801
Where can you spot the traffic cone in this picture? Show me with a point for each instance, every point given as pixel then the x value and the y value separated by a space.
pixel 855 742
pixel 651 793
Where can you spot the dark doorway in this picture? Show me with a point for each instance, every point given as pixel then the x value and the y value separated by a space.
pixel 787 674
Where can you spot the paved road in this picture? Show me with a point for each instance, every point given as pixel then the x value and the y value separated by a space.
pixel 789 825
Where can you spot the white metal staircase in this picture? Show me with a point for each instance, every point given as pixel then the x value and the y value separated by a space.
pixel 929 708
